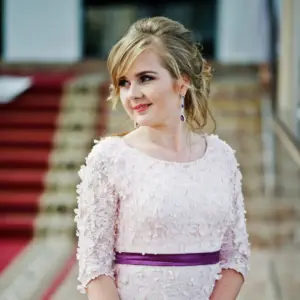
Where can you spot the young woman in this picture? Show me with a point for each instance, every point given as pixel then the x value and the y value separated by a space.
pixel 160 210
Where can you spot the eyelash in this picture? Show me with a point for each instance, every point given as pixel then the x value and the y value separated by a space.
pixel 122 82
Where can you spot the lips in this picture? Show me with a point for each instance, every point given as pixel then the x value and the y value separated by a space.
pixel 141 106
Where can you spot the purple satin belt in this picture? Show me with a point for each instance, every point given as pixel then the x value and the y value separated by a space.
pixel 175 260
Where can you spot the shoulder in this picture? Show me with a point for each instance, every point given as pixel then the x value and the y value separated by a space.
pixel 105 149
pixel 223 149
pixel 100 160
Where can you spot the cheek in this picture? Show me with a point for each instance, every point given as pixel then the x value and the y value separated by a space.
pixel 157 95
pixel 165 100
pixel 163 93
pixel 124 102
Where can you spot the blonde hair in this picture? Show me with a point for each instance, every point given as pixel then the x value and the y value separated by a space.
pixel 180 55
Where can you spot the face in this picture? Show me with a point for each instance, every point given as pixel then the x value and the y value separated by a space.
pixel 150 96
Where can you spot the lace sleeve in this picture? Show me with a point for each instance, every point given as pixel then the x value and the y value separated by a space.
pixel 235 250
pixel 95 218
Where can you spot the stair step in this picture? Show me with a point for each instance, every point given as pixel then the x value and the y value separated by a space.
pixel 26 137
pixel 25 119
pixel 14 225
pixel 30 101
pixel 19 201
pixel 264 234
pixel 12 157
pixel 26 225
pixel 10 248
pixel 22 178
pixel 262 209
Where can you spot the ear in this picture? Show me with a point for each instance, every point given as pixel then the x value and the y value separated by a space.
pixel 183 83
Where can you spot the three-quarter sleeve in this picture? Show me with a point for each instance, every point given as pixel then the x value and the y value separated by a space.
pixel 235 250
pixel 95 220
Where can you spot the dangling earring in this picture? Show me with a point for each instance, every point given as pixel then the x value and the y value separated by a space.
pixel 182 117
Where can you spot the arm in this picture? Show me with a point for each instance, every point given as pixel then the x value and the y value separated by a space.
pixel 95 218
pixel 235 249
pixel 102 288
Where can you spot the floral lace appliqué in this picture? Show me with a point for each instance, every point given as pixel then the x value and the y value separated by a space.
pixel 128 202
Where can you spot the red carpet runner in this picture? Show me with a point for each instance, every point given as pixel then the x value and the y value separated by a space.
pixel 27 128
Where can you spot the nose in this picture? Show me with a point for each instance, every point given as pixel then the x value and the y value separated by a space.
pixel 134 92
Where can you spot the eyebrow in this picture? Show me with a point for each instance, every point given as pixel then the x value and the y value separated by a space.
pixel 141 74
pixel 145 72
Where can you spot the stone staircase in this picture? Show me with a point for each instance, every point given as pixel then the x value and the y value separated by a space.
pixel 270 185
pixel 78 127
pixel 273 214
pixel 46 190
pixel 237 106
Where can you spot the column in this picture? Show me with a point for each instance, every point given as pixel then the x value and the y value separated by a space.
pixel 289 66
pixel 47 31
pixel 242 32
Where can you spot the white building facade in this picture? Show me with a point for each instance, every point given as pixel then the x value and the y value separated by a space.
pixel 67 31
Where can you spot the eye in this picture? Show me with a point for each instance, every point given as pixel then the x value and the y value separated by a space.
pixel 123 82
pixel 145 78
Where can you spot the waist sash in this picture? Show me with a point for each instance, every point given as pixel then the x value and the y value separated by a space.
pixel 175 260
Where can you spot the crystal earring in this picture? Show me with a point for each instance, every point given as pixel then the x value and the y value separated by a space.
pixel 182 117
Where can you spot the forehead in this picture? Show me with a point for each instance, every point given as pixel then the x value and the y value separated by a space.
pixel 147 60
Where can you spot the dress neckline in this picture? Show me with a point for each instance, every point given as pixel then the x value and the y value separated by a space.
pixel 194 161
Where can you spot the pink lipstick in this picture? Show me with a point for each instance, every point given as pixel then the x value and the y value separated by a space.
pixel 141 107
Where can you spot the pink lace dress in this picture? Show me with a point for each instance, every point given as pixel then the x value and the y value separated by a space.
pixel 131 202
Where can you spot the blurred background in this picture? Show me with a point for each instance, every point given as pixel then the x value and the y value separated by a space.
pixel 53 87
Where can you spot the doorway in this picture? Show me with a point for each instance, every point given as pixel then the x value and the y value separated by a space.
pixel 105 23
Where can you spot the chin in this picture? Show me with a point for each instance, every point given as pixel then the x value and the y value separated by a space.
pixel 145 121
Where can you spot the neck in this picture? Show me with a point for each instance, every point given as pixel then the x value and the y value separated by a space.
pixel 173 138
